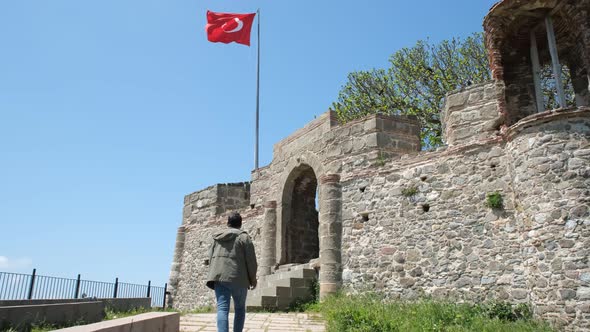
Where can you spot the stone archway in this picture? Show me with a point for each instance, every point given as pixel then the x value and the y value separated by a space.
pixel 291 236
pixel 300 217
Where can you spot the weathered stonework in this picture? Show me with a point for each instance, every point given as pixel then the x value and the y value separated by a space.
pixel 407 223
pixel 473 114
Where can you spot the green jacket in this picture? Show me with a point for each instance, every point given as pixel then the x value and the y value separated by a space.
pixel 232 259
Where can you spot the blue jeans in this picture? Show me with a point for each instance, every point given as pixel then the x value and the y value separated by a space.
pixel 223 292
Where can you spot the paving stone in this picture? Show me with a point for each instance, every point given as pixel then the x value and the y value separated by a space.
pixel 256 322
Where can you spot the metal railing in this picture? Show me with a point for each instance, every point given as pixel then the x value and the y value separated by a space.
pixel 16 286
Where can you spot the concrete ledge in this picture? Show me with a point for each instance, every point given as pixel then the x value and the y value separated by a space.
pixel 149 322
pixel 127 304
pixel 118 304
pixel 14 303
pixel 20 317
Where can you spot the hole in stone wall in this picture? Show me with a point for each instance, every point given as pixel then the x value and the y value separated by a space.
pixel 252 206
pixel 362 189
pixel 426 207
pixel 423 177
pixel 493 166
pixel 365 216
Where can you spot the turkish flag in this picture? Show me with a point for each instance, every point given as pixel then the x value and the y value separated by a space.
pixel 227 28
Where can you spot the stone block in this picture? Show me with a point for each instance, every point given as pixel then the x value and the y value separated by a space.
pixel 583 293
pixel 519 294
pixel 567 294
pixel 407 282
pixel 456 100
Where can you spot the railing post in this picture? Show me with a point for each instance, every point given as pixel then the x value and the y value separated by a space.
pixel 77 293
pixel 149 288
pixel 116 288
pixel 165 291
pixel 32 284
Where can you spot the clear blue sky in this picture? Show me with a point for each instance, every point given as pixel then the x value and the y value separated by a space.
pixel 111 111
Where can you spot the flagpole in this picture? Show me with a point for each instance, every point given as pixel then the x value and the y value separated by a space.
pixel 257 94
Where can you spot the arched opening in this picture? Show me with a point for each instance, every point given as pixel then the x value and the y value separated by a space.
pixel 539 51
pixel 300 217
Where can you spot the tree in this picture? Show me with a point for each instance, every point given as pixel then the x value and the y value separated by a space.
pixel 416 83
pixel 419 78
pixel 549 86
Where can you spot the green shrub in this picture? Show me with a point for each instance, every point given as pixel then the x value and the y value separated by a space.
pixel 410 191
pixel 494 200
pixel 505 311
pixel 372 312
pixel 311 305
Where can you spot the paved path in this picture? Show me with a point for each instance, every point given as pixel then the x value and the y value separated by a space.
pixel 256 322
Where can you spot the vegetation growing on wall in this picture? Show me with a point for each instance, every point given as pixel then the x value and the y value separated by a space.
pixel 494 200
pixel 409 191
pixel 381 160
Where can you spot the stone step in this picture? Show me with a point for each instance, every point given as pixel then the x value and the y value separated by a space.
pixel 287 282
pixel 276 291
pixel 290 292
pixel 303 293
pixel 299 273
pixel 262 302
pixel 281 289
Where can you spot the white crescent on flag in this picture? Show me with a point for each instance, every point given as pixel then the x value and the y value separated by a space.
pixel 236 29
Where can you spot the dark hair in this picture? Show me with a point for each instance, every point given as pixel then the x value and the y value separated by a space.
pixel 234 220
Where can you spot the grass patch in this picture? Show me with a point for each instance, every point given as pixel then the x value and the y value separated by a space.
pixel 112 314
pixel 381 160
pixel 200 310
pixel 409 191
pixel 371 313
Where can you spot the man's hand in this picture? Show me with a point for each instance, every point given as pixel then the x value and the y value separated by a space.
pixel 253 285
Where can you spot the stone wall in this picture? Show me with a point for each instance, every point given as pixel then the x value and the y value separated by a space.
pixel 473 113
pixel 205 214
pixel 324 147
pixel 421 227
pixel 191 291
pixel 551 181
pixel 329 147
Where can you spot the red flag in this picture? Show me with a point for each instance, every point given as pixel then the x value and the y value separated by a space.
pixel 227 28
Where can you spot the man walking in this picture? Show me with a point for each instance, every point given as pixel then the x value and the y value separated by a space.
pixel 232 271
